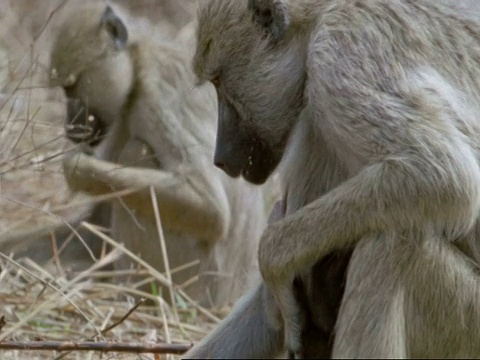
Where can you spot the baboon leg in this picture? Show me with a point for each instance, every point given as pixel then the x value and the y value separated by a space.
pixel 409 297
pixel 245 334
pixel 371 320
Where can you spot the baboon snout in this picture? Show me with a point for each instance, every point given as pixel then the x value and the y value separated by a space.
pixel 223 160
pixel 219 164
pixel 82 125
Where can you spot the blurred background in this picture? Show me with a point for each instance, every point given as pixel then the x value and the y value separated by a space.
pixel 34 195
pixel 32 187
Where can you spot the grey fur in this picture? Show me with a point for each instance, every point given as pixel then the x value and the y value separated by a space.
pixel 379 101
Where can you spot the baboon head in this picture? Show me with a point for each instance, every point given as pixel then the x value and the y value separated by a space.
pixel 90 62
pixel 245 49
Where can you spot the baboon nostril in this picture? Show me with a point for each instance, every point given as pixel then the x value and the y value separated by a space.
pixel 219 164
pixel 229 168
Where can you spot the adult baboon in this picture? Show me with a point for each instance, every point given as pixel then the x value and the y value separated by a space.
pixel 163 12
pixel 372 108
pixel 159 133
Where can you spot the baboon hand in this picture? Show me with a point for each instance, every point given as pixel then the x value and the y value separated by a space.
pixel 80 170
pixel 71 163
pixel 273 263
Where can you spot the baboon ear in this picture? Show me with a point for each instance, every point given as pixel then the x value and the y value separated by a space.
pixel 115 27
pixel 271 15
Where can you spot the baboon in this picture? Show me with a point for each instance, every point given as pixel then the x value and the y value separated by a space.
pixel 369 110
pixel 163 12
pixel 156 131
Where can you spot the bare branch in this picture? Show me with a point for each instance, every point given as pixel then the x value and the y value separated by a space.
pixel 136 348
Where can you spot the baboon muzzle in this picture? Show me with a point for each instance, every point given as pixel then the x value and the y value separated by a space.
pixel 82 126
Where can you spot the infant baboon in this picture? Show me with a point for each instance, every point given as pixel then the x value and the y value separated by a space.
pixel 156 130
pixel 372 108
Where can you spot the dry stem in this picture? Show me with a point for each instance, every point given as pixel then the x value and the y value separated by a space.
pixel 96 346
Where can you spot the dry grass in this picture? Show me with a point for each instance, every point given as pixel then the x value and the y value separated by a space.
pixel 31 121
pixel 51 301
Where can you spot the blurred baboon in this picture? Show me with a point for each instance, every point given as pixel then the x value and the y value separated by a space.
pixel 372 108
pixel 163 12
pixel 157 131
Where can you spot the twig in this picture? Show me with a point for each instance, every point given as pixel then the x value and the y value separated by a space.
pixel 111 327
pixel 163 246
pixel 124 317
pixel 166 264
pixel 50 16
pixel 55 253
pixel 135 348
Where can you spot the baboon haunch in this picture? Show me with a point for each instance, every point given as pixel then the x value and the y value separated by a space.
pixel 155 130
pixel 371 109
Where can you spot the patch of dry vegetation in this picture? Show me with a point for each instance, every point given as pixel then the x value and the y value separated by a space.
pixel 31 129
pixel 51 303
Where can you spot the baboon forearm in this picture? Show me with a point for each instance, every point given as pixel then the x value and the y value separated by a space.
pixel 389 196
pixel 394 196
pixel 183 206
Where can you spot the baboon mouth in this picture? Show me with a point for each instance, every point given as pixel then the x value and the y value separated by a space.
pixel 79 133
pixel 83 126
pixel 255 177
pixel 256 167
pixel 260 166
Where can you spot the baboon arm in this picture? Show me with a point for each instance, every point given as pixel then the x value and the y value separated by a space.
pixel 418 168
pixel 398 194
pixel 245 334
pixel 404 195
pixel 372 318
pixel 187 201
